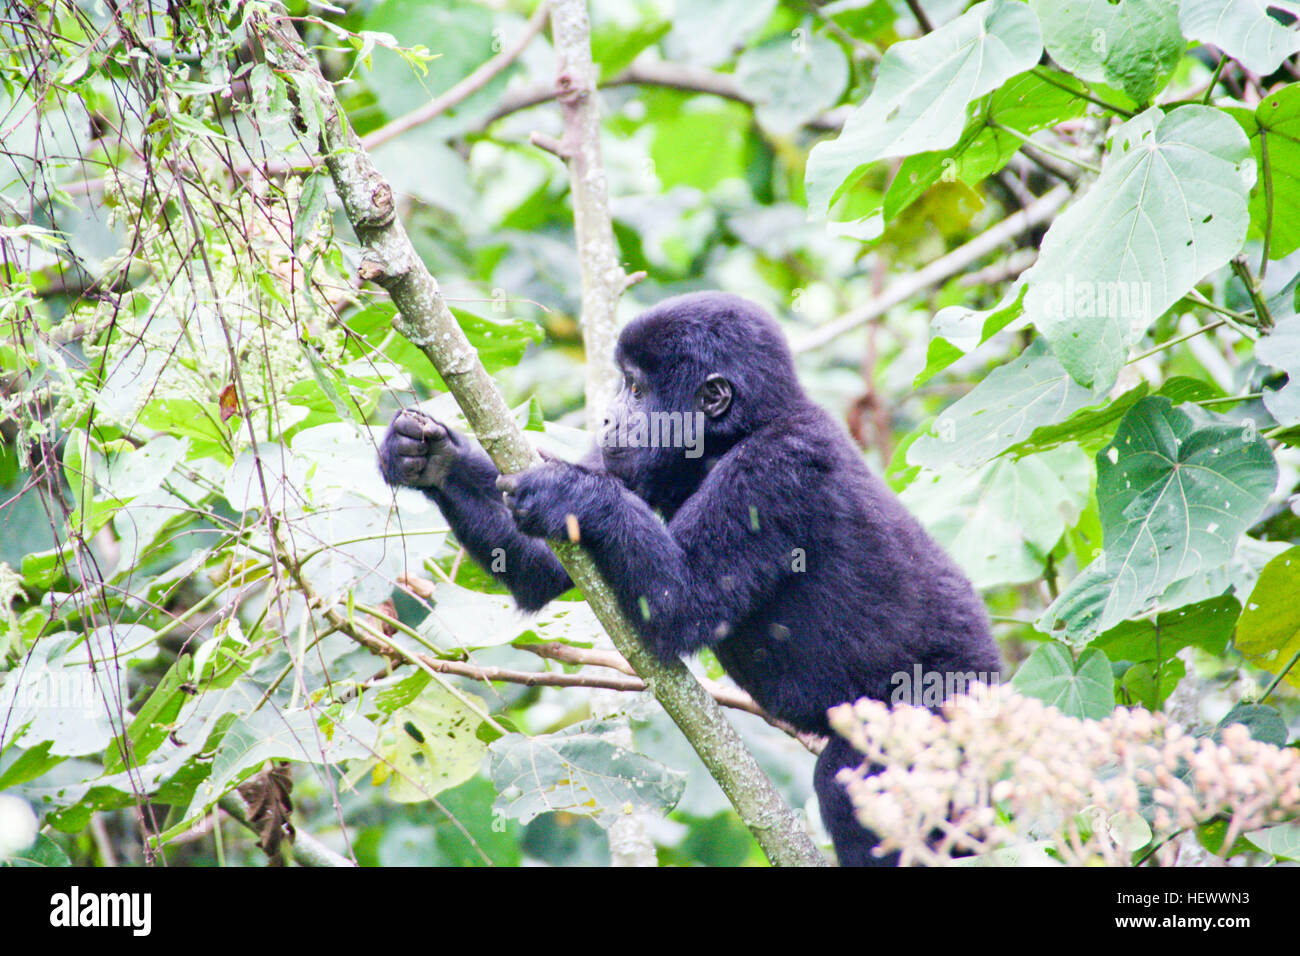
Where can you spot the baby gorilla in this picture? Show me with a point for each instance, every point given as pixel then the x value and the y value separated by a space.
pixel 726 510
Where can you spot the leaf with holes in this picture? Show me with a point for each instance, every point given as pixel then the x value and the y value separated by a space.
pixel 1174 495
pixel 1168 208
pixel 581 771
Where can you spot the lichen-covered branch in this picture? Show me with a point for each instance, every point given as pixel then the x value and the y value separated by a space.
pixel 425 319
pixel 603 278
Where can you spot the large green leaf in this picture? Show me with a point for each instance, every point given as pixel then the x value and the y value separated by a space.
pixel 1005 408
pixel 956 330
pixel 1089 426
pixel 1274 128
pixel 268 734
pixel 1132 45
pixel 429 745
pixel 923 90
pixel 1243 30
pixel 1169 207
pixel 1174 498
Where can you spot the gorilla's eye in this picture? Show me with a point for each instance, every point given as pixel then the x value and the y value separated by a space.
pixel 634 387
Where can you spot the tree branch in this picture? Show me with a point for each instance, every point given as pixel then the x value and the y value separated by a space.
pixel 940 270
pixel 603 278
pixel 676 76
pixel 424 319
pixel 465 88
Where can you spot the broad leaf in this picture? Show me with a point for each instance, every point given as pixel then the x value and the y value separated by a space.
pixel 792 80
pixel 1168 208
pixel 1024 104
pixel 1274 126
pixel 1174 498
pixel 1000 521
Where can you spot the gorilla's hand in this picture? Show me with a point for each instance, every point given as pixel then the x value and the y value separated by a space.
pixel 556 500
pixel 418 452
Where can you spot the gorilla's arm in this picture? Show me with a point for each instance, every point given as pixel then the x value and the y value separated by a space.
pixel 418 452
pixel 686 584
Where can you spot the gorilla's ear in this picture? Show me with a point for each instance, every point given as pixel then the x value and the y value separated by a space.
pixel 714 396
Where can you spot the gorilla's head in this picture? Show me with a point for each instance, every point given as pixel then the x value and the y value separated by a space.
pixel 700 372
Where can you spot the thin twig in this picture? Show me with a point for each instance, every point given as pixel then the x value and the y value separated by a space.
pixel 465 88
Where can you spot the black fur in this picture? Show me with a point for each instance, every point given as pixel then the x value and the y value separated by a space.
pixel 776 546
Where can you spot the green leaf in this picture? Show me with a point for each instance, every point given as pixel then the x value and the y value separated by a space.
pixel 1132 45
pixel 311 203
pixel 678 160
pixel 1243 30
pixel 1269 631
pixel 155 718
pixel 1090 427
pixel 614 46
pixel 1206 625
pixel 185 418
pixel 43 568
pixel 1168 208
pixel 1281 349
pixel 1025 103
pixel 1150 683
pixel 1015 399
pixel 957 330
pixel 31 763
pixel 269 735
pixel 922 93
pixel 1082 688
pixel 1275 125
pixel 465 619
pixel 393 698
pixel 580 771
pixel 1174 498
pixel 44 852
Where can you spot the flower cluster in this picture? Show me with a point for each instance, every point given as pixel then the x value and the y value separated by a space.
pixel 1011 778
